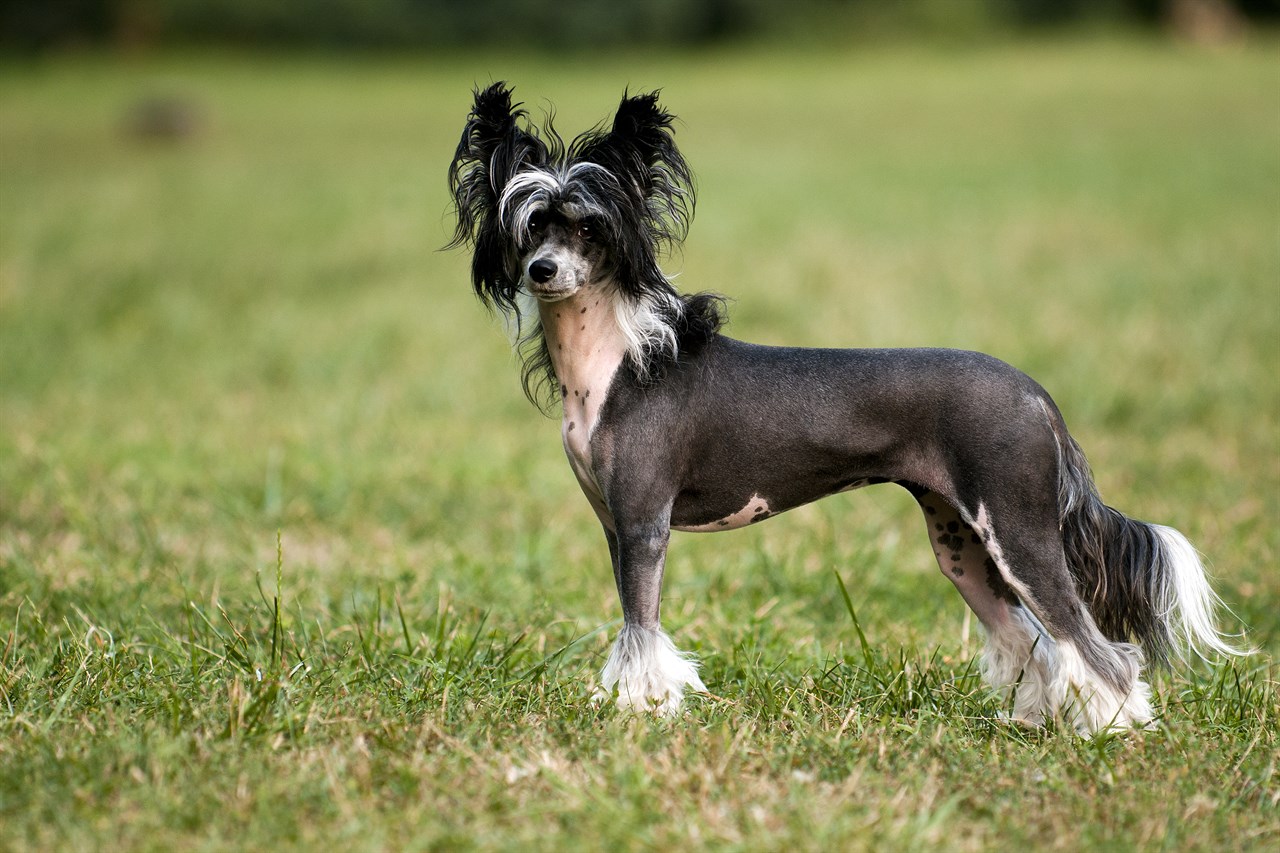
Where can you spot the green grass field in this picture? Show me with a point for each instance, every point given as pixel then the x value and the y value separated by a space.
pixel 251 333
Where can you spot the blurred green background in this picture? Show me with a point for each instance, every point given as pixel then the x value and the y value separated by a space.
pixel 583 24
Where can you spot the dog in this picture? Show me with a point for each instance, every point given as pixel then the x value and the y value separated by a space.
pixel 669 424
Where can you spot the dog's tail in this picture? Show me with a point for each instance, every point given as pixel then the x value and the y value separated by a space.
pixel 1142 581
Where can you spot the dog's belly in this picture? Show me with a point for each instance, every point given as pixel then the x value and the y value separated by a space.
pixel 756 509
pixel 686 514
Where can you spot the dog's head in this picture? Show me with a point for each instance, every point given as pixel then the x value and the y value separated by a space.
pixel 550 219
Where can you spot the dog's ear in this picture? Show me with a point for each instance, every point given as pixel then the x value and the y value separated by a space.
pixel 640 150
pixel 642 128
pixel 493 148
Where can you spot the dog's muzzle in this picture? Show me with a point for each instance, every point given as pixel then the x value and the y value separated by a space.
pixel 542 281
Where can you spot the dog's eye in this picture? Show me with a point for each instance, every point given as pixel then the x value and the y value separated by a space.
pixel 536 222
pixel 586 232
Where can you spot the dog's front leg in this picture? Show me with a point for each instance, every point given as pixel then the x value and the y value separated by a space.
pixel 645 671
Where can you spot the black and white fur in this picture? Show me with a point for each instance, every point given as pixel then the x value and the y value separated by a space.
pixel 670 425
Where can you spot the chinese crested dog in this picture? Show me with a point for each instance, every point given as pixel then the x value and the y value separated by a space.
pixel 670 425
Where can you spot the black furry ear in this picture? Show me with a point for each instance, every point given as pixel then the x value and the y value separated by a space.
pixel 492 150
pixel 640 149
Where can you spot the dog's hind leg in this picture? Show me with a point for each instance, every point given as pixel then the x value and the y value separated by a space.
pixel 1093 683
pixel 1019 658
pixel 644 671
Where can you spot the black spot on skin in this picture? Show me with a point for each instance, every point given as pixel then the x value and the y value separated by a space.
pixel 760 516
pixel 955 558
pixel 957 571
pixel 582 329
pixel 586 393
pixel 986 536
pixel 939 527
pixel 571 426
pixel 931 510
pixel 564 391
pixel 953 526
pixel 975 539
pixel 583 311
pixel 724 522
pixel 997 583
pixel 575 392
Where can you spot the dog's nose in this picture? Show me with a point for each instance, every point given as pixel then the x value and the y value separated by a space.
pixel 542 270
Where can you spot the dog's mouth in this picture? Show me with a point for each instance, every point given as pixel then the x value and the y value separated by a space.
pixel 543 293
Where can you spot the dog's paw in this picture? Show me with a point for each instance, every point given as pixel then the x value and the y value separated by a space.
pixel 645 673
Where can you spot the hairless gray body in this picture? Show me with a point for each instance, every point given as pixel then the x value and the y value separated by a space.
pixel 669 424
pixel 742 425
pixel 779 427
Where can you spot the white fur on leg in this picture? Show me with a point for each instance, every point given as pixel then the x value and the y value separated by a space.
pixel 647 672
pixel 1050 679
pixel 1091 704
pixel 1021 660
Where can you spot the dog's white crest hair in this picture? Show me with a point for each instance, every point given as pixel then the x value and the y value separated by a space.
pixel 535 189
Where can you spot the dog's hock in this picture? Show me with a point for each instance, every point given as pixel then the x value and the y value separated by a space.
pixel 645 672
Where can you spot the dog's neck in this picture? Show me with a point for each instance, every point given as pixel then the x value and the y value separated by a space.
pixel 586 347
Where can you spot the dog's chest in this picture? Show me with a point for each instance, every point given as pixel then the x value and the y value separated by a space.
pixel 586 350
pixel 581 412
